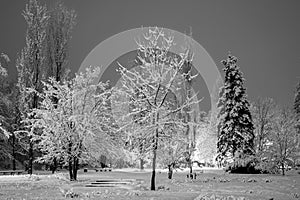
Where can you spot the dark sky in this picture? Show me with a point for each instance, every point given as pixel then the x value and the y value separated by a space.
pixel 264 35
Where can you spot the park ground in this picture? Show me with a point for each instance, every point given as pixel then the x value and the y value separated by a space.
pixel 211 184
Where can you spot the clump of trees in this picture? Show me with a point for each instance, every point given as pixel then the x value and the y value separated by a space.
pixel 277 140
pixel 257 138
pixel 63 120
pixel 45 55
pixel 76 126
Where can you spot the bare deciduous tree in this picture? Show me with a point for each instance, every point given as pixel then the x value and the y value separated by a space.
pixel 262 115
pixel 284 140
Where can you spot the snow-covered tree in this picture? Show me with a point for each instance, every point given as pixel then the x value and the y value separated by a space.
pixel 4 108
pixel 77 127
pixel 235 122
pixel 30 62
pixel 263 111
pixel 156 78
pixel 284 139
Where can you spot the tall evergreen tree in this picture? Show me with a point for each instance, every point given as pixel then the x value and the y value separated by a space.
pixel 235 125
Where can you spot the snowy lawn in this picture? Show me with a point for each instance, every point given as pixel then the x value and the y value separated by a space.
pixel 210 183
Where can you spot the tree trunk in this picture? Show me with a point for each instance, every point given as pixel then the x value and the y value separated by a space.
pixel 14 151
pixel 54 165
pixel 154 160
pixel 70 169
pixel 141 164
pixel 30 155
pixel 70 162
pixel 170 173
pixel 141 153
pixel 190 166
pixel 58 71
pixel 190 143
pixel 283 172
pixel 153 170
pixel 234 159
pixel 75 168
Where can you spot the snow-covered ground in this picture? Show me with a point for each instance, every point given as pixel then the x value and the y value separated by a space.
pixel 136 170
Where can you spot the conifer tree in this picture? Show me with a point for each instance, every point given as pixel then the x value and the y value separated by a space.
pixel 235 125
